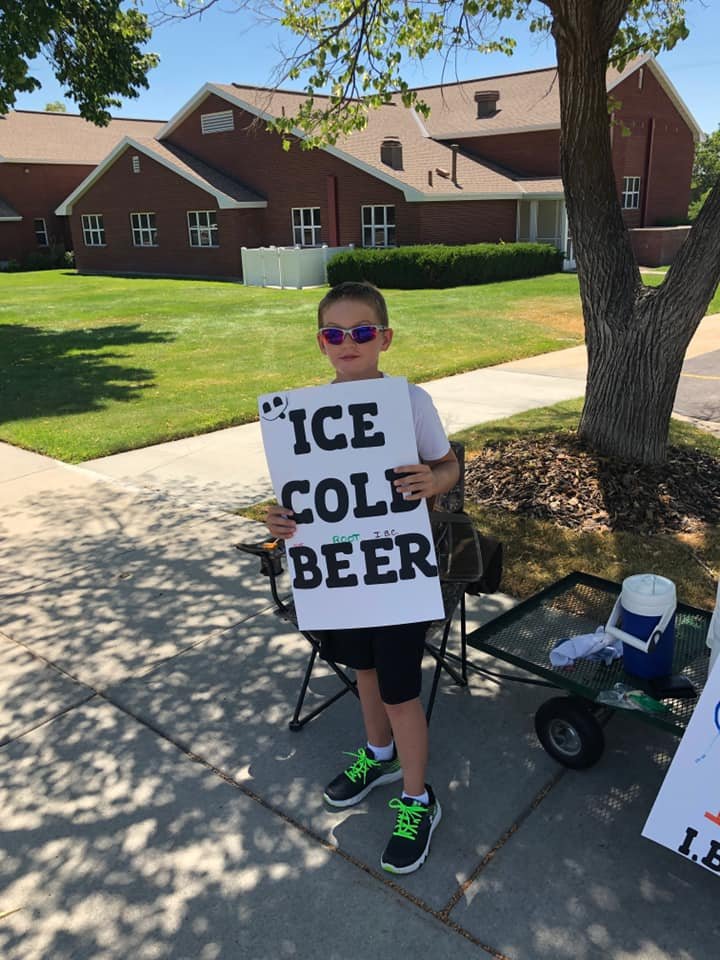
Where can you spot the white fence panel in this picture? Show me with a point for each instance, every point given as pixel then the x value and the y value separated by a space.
pixel 294 267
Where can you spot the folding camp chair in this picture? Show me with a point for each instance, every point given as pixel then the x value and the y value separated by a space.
pixel 271 565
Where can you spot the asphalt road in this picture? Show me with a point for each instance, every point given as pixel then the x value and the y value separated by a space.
pixel 698 393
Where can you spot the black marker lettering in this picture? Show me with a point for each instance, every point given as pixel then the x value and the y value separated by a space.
pixel 414 552
pixel 361 425
pixel 305 565
pixel 325 442
pixel 297 418
pixel 362 507
pixel 286 494
pixel 321 504
pixel 712 857
pixel 373 562
pixel 690 835
pixel 331 552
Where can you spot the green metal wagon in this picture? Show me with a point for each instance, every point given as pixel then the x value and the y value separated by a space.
pixel 570 727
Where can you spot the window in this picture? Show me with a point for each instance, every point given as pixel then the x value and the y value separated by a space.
pixel 93 230
pixel 203 228
pixel 41 232
pixel 136 164
pixel 378 226
pixel 144 231
pixel 217 122
pixel 306 226
pixel 631 193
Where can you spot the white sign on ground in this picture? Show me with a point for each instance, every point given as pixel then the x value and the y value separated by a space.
pixel 362 555
pixel 686 814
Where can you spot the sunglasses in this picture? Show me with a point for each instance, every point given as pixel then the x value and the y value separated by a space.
pixel 362 334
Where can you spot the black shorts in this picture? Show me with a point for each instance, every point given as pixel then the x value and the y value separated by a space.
pixel 396 653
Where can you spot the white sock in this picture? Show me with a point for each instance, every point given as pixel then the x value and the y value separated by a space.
pixel 382 753
pixel 424 797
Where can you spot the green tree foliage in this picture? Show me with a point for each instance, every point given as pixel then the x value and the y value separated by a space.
pixel 358 49
pixel 636 338
pixel 55 106
pixel 94 49
pixel 706 171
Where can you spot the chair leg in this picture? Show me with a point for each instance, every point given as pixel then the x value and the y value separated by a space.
pixel 440 665
pixel 349 686
pixel 441 658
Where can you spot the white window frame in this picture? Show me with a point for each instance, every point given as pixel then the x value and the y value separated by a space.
pixel 382 223
pixel 203 228
pixel 630 193
pixel 93 228
pixel 306 224
pixel 41 235
pixel 144 230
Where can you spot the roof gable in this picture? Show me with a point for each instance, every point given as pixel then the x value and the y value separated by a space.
pixel 227 192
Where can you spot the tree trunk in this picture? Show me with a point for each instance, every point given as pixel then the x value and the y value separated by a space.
pixel 636 336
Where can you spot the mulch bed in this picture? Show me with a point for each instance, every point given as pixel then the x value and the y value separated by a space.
pixel 555 477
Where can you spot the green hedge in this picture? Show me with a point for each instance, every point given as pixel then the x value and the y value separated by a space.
pixel 414 268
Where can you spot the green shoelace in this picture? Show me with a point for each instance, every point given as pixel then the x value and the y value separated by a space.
pixel 362 764
pixel 408 818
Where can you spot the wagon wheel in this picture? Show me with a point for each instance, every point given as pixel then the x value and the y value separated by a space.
pixel 570 732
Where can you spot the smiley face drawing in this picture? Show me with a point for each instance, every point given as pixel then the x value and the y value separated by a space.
pixel 274 409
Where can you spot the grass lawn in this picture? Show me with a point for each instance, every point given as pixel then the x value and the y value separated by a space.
pixel 93 365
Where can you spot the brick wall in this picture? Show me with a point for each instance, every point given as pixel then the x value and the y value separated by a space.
pixel 157 190
pixel 298 177
pixel 527 154
pixel 659 148
pixel 34 190
pixel 658 246
pixel 294 178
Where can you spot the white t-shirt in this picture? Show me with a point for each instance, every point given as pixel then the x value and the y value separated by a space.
pixel 432 441
pixel 430 436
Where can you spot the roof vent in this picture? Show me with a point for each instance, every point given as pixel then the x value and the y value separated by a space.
pixel 217 122
pixel 487 101
pixel 391 153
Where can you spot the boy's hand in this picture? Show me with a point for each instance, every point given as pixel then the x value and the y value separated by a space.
pixel 279 523
pixel 419 481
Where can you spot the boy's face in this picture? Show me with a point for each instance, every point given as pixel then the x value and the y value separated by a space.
pixel 354 361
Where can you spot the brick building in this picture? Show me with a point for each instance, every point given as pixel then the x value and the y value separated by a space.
pixel 43 157
pixel 484 166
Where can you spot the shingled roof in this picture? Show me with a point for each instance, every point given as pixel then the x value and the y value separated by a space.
pixel 28 136
pixel 427 165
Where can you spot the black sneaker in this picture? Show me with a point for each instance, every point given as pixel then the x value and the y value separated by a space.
pixel 358 780
pixel 410 843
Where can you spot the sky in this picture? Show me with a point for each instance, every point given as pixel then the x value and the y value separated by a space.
pixel 226 47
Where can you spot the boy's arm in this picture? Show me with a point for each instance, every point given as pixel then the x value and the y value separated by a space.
pixel 424 480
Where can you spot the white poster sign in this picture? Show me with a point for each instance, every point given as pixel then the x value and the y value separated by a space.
pixel 362 556
pixel 686 814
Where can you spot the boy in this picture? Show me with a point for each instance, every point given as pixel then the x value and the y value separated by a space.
pixel 353 330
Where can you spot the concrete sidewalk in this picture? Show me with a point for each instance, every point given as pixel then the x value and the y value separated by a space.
pixel 155 804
